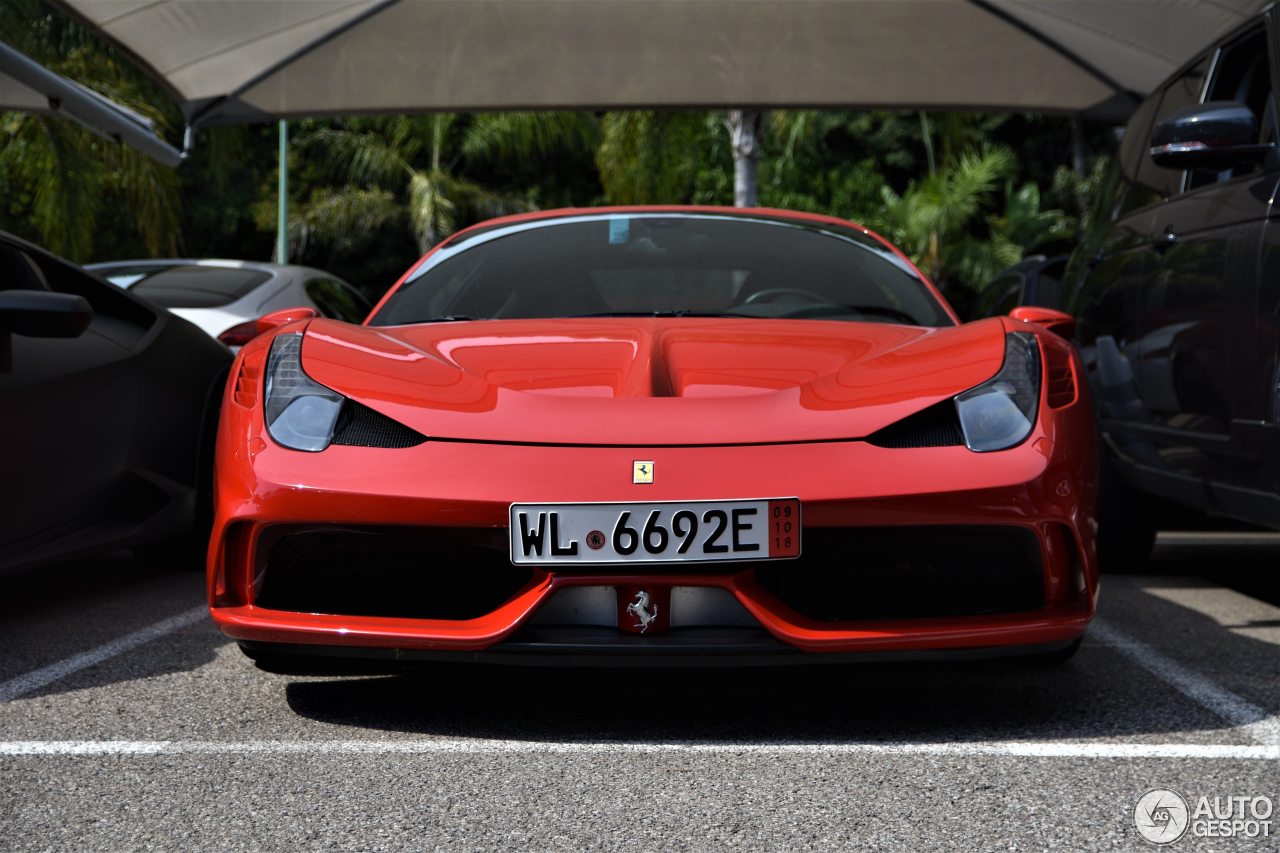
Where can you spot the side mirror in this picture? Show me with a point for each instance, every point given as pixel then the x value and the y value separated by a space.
pixel 1216 135
pixel 39 314
pixel 42 314
pixel 1058 322
pixel 276 319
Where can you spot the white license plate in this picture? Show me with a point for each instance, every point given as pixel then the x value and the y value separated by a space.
pixel 669 532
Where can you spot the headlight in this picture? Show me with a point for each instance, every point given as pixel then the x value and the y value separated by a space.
pixel 1000 412
pixel 300 413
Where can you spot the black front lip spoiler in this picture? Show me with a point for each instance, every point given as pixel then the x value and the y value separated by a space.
pixel 604 647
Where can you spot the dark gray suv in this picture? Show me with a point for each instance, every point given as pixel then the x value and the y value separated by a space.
pixel 1177 298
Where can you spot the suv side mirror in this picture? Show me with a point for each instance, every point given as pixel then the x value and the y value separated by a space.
pixel 276 319
pixel 44 314
pixel 1058 322
pixel 39 314
pixel 1215 135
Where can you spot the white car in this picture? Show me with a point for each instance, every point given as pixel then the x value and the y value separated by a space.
pixel 225 298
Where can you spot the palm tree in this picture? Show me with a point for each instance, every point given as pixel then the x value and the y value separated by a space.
pixel 61 175
pixel 933 219
pixel 412 169
pixel 746 136
pixel 652 157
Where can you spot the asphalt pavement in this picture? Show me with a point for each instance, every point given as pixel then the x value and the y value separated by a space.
pixel 128 722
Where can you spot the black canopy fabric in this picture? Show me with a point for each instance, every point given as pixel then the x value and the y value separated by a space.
pixel 234 61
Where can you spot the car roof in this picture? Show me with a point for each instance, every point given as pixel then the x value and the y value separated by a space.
pixel 225 263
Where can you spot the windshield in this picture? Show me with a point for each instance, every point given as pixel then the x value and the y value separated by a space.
pixel 664 265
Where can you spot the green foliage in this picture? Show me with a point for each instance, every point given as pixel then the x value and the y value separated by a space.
pixel 416 171
pixel 656 157
pixel 60 178
pixel 962 194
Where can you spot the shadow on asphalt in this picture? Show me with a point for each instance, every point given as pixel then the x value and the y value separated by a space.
pixel 1250 569
pixel 63 610
pixel 1098 694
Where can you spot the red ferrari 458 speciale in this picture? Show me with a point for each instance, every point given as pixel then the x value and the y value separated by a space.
pixel 664 435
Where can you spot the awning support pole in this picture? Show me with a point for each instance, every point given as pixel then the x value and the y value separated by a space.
pixel 282 206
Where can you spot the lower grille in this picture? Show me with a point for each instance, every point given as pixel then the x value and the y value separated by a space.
pixel 855 574
pixel 414 574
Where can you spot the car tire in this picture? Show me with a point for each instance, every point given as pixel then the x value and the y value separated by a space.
pixel 1126 524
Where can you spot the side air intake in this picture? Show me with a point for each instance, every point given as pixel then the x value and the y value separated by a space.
pixel 1062 381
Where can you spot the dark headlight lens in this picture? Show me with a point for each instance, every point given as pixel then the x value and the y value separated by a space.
pixel 300 412
pixel 1000 412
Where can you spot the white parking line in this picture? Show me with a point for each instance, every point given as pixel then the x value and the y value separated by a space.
pixel 1216 539
pixel 34 680
pixel 1244 715
pixel 1022 749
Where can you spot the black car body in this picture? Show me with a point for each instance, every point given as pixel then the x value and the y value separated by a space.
pixel 1034 280
pixel 108 408
pixel 1177 295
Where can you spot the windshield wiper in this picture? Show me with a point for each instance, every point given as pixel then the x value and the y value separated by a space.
pixel 449 318
pixel 645 314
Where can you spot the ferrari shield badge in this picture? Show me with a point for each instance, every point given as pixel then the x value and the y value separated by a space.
pixel 642 471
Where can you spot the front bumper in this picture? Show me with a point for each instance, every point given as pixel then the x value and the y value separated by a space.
pixel 1044 487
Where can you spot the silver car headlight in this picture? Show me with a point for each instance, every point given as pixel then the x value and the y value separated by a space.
pixel 300 413
pixel 1000 412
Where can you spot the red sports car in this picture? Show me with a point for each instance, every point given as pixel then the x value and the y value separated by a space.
pixel 669 435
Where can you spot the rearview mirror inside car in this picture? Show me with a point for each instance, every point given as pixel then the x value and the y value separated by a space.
pixel 1058 322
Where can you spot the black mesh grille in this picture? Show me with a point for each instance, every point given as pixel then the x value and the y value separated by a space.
pixel 1062 382
pixel 852 574
pixel 936 426
pixel 425 574
pixel 361 426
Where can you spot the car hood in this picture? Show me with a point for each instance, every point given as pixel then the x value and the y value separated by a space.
pixel 650 381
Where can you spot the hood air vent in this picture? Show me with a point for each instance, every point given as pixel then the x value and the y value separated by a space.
pixel 936 426
pixel 361 426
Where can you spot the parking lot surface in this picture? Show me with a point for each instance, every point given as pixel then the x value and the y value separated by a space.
pixel 128 722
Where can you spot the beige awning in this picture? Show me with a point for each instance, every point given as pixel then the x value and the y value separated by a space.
pixel 245 60
pixel 27 86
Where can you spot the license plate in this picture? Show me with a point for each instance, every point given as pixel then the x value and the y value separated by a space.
pixel 668 532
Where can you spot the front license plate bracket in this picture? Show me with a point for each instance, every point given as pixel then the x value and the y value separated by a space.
pixel 655 532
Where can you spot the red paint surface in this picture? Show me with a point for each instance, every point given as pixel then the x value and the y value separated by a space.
pixel 794 395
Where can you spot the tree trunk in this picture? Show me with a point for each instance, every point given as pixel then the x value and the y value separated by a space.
pixel 745 131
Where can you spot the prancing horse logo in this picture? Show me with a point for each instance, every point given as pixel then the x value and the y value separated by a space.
pixel 640 609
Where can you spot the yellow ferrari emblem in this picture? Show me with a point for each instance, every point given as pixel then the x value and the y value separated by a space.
pixel 642 471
